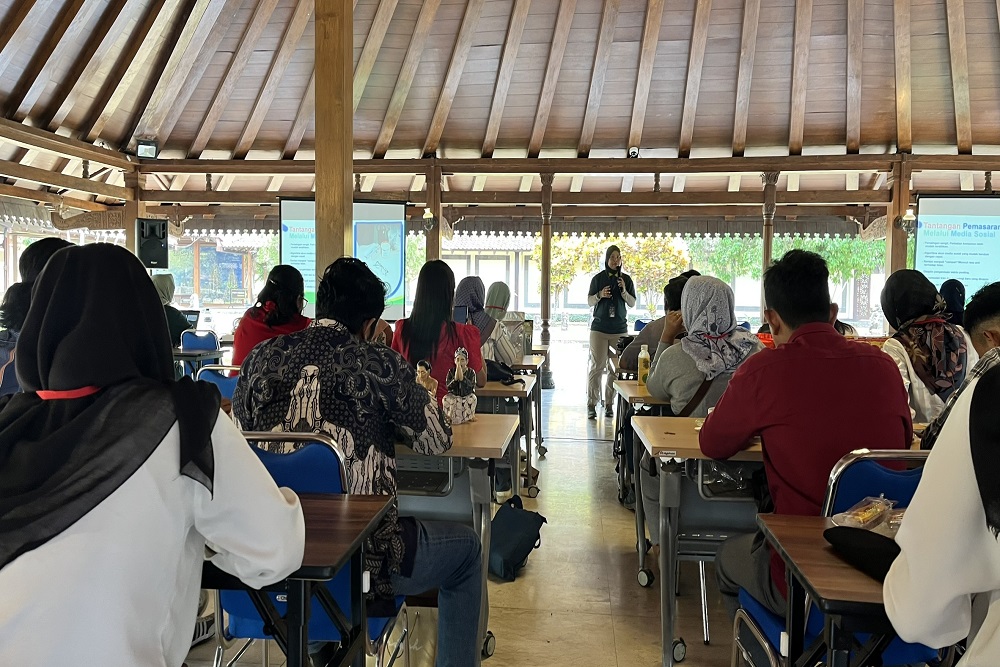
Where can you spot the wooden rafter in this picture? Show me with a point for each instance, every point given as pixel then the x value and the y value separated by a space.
pixel 139 48
pixel 748 49
pixel 93 53
pixel 518 19
pixel 602 56
pixel 11 23
pixel 560 37
pixel 855 48
pixel 960 74
pixel 258 21
pixel 800 74
pixel 45 177
pixel 163 59
pixel 307 109
pixel 650 40
pixel 46 197
pixel 373 44
pixel 696 60
pixel 201 28
pixel 282 57
pixel 459 56
pixel 30 137
pixel 901 27
pixel 35 77
pixel 406 74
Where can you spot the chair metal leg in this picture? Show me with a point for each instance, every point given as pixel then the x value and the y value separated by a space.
pixel 217 662
pixel 265 651
pixel 704 601
pixel 239 654
pixel 740 652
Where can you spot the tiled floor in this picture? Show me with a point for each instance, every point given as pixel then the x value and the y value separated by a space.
pixel 577 602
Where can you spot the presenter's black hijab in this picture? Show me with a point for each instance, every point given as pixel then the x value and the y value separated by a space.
pixel 99 397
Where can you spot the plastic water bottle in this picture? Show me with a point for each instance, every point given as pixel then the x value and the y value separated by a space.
pixel 643 365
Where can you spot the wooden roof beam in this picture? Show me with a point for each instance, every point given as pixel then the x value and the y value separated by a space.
pixel 602 56
pixel 31 137
pixel 459 56
pixel 12 21
pixel 306 112
pixel 373 44
pixel 748 49
pixel 282 57
pixel 668 198
pixel 518 19
pixel 631 211
pixel 36 75
pixel 407 73
pixel 696 60
pixel 647 54
pixel 84 65
pixel 255 28
pixel 46 197
pixel 901 28
pixel 560 37
pixel 139 48
pixel 959 73
pixel 45 177
pixel 800 74
pixel 855 50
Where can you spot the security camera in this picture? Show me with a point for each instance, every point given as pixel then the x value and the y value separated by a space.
pixel 633 152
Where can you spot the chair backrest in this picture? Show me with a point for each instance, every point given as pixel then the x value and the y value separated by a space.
pixel 862 473
pixel 194 340
pixel 640 325
pixel 223 377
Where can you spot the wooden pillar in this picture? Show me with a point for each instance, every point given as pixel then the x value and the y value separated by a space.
pixel 770 180
pixel 432 236
pixel 546 379
pixel 334 48
pixel 896 237
pixel 134 209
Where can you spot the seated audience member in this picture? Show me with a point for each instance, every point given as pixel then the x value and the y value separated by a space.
pixel 116 478
pixel 845 329
pixel 944 586
pixel 953 293
pixel 650 334
pixel 803 400
pixel 498 300
pixel 932 354
pixel 176 322
pixel 15 305
pixel 494 342
pixel 330 378
pixel 430 332
pixel 982 317
pixel 693 374
pixel 278 310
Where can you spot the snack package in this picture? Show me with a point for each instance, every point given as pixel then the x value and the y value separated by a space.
pixel 866 514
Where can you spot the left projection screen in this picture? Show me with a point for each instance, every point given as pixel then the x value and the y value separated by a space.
pixel 379 239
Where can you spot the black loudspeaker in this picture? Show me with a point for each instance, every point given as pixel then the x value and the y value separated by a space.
pixel 151 238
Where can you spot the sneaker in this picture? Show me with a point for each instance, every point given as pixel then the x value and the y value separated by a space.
pixel 204 629
pixel 629 501
pixel 609 413
pixel 591 412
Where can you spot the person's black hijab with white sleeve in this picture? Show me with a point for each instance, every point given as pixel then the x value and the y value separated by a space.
pixel 95 365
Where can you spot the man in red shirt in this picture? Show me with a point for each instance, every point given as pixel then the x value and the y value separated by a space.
pixel 815 398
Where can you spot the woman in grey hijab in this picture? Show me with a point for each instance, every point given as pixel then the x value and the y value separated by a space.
pixel 176 322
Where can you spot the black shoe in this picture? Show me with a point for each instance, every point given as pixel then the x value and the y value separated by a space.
pixel 591 412
pixel 204 629
pixel 609 413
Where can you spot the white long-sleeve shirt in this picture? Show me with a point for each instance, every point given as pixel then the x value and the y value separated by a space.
pixel 945 584
pixel 119 588
pixel 924 406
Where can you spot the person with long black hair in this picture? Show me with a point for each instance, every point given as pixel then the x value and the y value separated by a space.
pixel 114 478
pixel 611 292
pixel 430 332
pixel 277 311
pixel 16 302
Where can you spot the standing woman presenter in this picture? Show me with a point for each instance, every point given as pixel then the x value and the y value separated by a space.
pixel 611 292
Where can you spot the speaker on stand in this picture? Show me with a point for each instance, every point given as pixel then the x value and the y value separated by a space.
pixel 151 239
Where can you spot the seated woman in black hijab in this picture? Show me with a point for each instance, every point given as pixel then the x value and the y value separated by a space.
pixel 114 478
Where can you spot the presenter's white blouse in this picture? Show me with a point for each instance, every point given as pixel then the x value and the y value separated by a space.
pixel 120 587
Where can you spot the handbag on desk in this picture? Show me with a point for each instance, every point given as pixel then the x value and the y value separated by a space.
pixel 516 532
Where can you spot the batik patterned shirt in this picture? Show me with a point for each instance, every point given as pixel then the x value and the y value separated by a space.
pixel 364 396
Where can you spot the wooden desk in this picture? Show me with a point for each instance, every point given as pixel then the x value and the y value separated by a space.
pixel 336 527
pixel 485 438
pixel 495 389
pixel 677 437
pixel 850 600
pixel 526 399
pixel 636 394
pixel 531 362
pixel 540 349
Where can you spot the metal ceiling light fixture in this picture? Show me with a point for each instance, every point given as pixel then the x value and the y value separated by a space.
pixel 147 148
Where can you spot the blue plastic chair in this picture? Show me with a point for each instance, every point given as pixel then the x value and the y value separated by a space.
pixel 640 325
pixel 223 377
pixel 197 340
pixel 317 467
pixel 856 476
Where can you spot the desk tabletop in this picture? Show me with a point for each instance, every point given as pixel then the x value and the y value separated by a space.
pixel 677 437
pixel 531 362
pixel 494 389
pixel 635 393
pixel 836 587
pixel 485 438
pixel 196 355
pixel 336 525
pixel 540 349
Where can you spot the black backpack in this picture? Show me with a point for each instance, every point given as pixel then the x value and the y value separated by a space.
pixel 515 534
pixel 500 372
